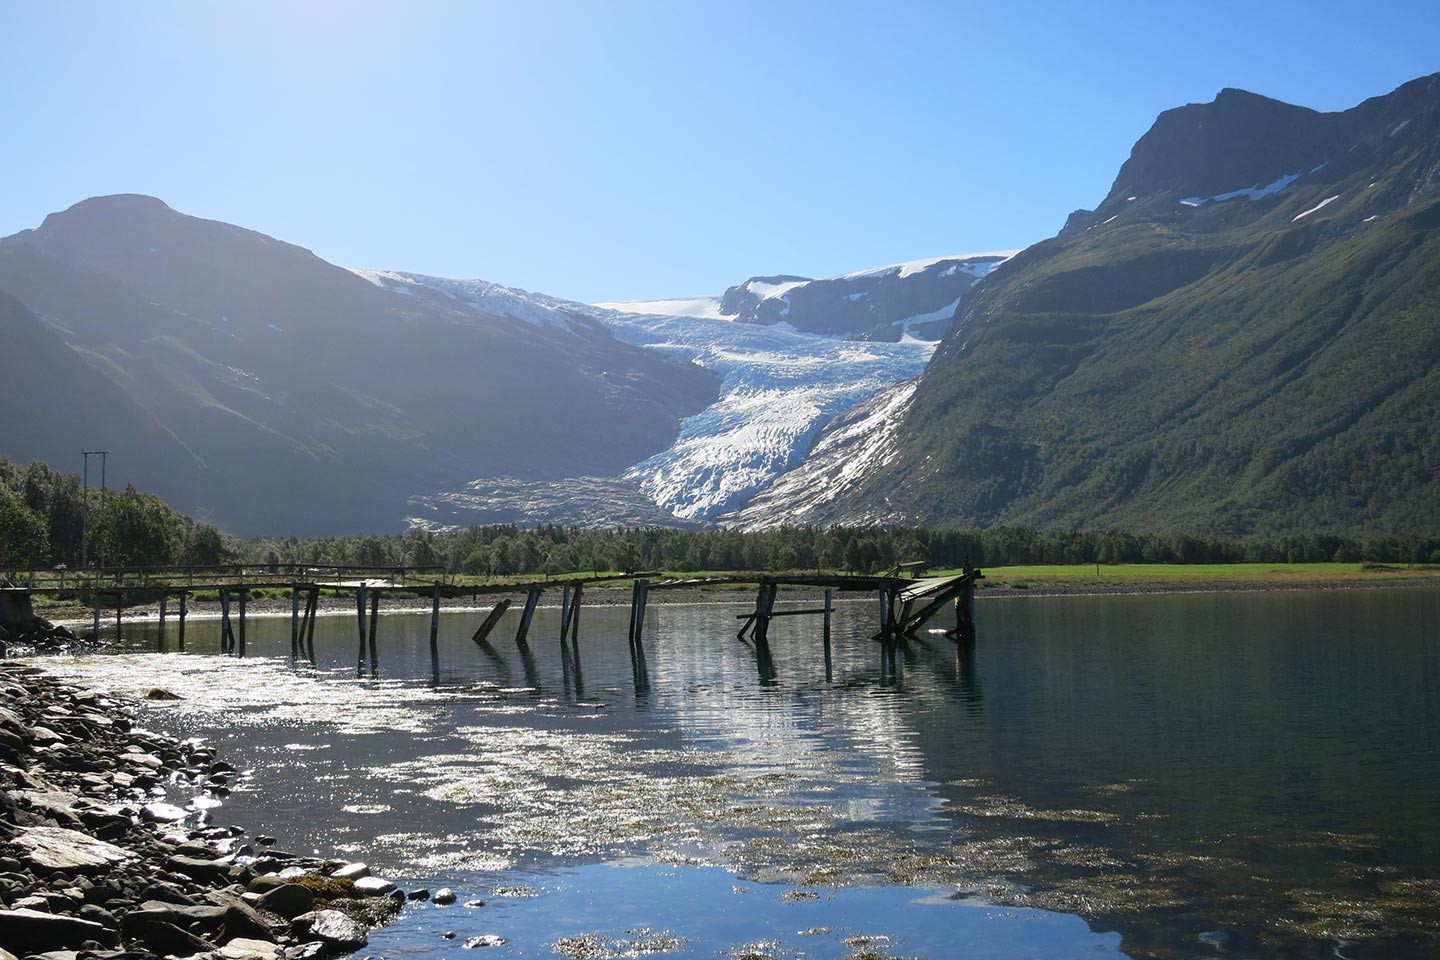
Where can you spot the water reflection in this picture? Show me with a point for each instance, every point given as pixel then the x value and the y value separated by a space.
pixel 1258 772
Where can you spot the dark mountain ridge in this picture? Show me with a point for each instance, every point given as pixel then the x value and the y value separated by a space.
pixel 299 397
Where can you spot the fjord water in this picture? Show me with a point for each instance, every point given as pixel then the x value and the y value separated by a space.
pixel 1194 775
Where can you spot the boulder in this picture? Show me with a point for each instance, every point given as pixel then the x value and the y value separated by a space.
pixel 242 949
pixel 57 848
pixel 31 931
pixel 288 900
pixel 351 871
pixel 444 896
pixel 166 938
pixel 373 886
pixel 332 928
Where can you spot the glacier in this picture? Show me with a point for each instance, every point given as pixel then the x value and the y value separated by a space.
pixel 780 389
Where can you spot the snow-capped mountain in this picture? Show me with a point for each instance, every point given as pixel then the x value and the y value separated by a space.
pixel 913 300
pixel 781 385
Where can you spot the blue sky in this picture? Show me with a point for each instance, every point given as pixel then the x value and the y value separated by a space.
pixel 614 150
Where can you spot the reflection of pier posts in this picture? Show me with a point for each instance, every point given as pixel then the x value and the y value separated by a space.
pixel 294 621
pixel 435 634
pixel 160 633
pixel 374 625
pixel 226 636
pixel 360 623
pixel 825 637
pixel 180 631
pixel 244 595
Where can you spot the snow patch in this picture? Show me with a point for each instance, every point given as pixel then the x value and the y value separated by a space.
pixel 1317 206
pixel 1256 192
pixel 708 307
pixel 1400 126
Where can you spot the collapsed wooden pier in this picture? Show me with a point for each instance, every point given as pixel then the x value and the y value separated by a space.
pixel 904 605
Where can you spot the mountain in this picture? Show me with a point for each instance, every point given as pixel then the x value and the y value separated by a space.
pixel 903 301
pixel 780 385
pixel 1244 336
pixel 249 382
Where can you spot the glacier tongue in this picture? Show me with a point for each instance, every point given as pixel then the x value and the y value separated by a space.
pixel 779 389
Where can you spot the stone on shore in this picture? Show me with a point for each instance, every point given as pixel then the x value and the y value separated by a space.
pixel 332 928
pixel 59 849
pixel 288 900
pixel 33 931
pixel 373 886
pixel 351 871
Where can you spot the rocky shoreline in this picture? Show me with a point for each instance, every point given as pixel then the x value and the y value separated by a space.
pixel 97 864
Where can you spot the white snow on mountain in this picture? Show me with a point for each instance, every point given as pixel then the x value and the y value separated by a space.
pixel 533 308
pixel 912 267
pixel 708 307
pixel 780 387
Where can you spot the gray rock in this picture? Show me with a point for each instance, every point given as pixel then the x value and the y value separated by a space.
pixel 444 896
pixel 31 931
pixel 56 848
pixel 332 928
pixel 351 871
pixel 208 870
pixel 485 940
pixel 373 886
pixel 166 938
pixel 162 813
pixel 241 949
pixel 288 900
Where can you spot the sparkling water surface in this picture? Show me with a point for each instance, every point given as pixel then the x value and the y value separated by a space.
pixel 1189 776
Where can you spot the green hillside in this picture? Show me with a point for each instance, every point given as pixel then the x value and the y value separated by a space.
pixel 1182 360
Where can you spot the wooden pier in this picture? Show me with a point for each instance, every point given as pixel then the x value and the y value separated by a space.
pixel 904 604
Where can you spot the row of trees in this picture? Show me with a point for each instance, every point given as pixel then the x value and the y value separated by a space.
pixel 508 549
pixel 43 523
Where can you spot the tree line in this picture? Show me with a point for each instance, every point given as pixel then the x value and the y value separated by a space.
pixel 47 518
pixel 507 549
pixel 43 524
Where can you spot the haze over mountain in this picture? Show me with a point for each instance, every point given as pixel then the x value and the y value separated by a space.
pixel 780 386
pixel 1243 336
pixel 251 383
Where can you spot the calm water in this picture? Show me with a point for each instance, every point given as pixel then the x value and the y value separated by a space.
pixel 1247 775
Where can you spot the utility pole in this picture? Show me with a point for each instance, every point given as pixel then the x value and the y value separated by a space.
pixel 85 498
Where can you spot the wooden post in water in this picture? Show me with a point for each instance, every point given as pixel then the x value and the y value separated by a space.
pixel 360 620
pixel 491 619
pixel 374 624
pixel 644 588
pixel 96 599
pixel 764 604
pixel 575 615
pixel 160 638
pixel 119 602
pixel 565 612
pixel 965 611
pixel 532 600
pixel 180 634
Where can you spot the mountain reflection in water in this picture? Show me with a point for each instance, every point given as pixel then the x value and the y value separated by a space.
pixel 1243 774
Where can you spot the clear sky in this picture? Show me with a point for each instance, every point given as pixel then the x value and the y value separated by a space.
pixel 619 150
